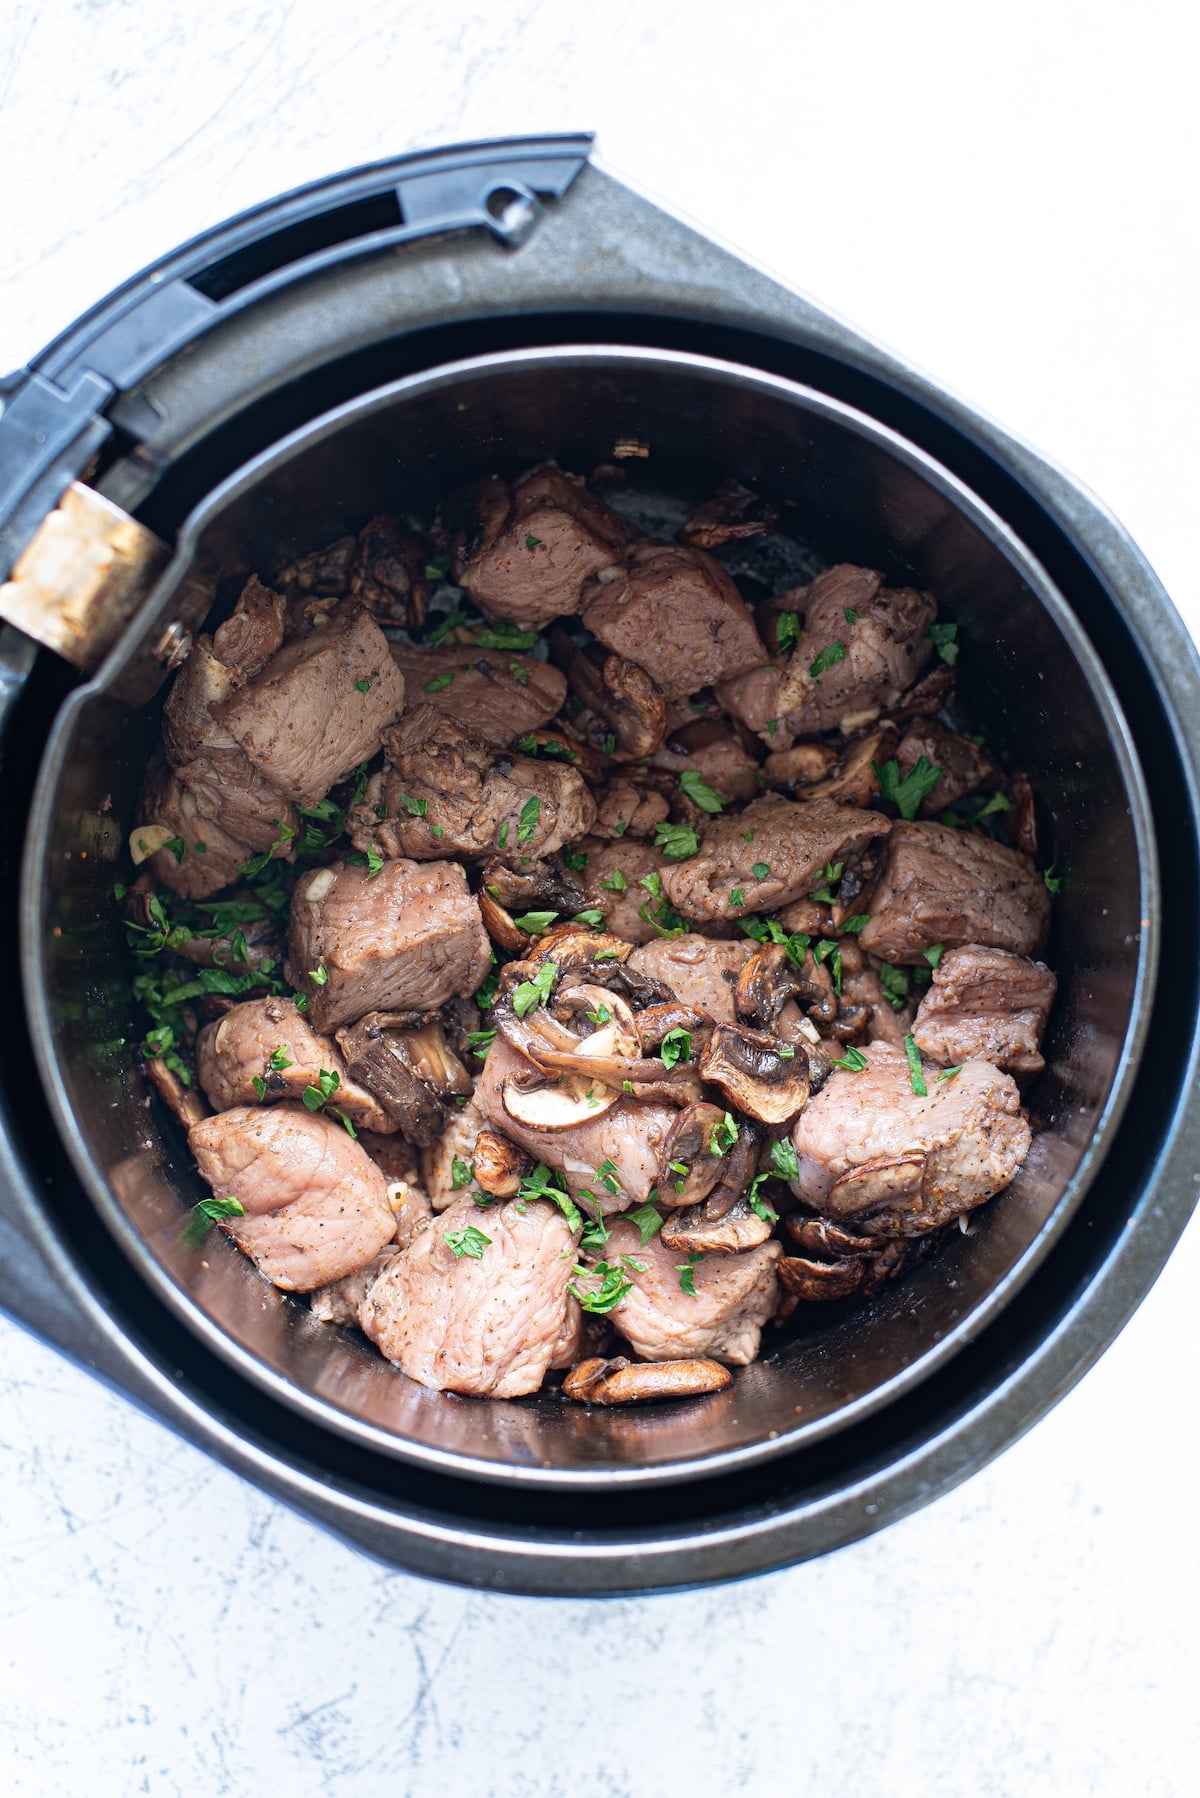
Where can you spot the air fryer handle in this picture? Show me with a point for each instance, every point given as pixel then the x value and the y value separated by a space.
pixel 55 412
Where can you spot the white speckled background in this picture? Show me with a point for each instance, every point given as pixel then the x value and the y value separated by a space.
pixel 1007 194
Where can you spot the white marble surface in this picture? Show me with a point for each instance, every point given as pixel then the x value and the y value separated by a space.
pixel 1007 194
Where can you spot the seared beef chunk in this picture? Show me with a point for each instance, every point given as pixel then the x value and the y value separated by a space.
pixel 609 1161
pixel 388 575
pixel 496 694
pixel 965 767
pixel 406 939
pixel 219 813
pixel 676 613
pixel 733 513
pixel 189 728
pixel 613 878
pixel 629 808
pixel 414 1074
pixel 524 552
pixel 269 1041
pixel 953 887
pixel 253 632
pixel 315 1204
pixel 444 792
pixel 986 1005
pixel 792 841
pixel 341 1302
pixel 323 574
pixel 477 1303
pixel 700 972
pixel 845 669
pixel 863 991
pixel 663 1320
pixel 319 707
pixel 897 1163
pixel 709 747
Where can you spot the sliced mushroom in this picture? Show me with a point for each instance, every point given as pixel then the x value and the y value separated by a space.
pixel 754 1074
pixel 824 1240
pixel 852 779
pixel 814 1281
pixel 578 949
pixel 557 743
pixel 629 713
pixel 734 512
pixel 800 766
pixel 737 1167
pixel 546 885
pixel 657 1021
pixel 572 1100
pixel 500 1166
pixel 874 1186
pixel 603 1017
pixel 858 882
pixel 1022 819
pixel 770 978
pixel 499 924
pixel 693 1233
pixel 623 1382
pixel 184 1101
pixel 930 695
pixel 688 1170
pixel 413 1073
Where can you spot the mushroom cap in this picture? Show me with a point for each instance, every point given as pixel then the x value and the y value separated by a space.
pixel 755 1074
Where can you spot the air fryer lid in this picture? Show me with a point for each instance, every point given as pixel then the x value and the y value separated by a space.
pixel 851 490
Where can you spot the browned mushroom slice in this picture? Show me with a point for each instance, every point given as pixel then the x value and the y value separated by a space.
pixel 576 948
pixel 927 696
pixel 628 713
pixel 732 513
pixel 692 1232
pixel 801 766
pixel 571 1100
pixel 623 1382
pixel 558 743
pixel 756 1074
pixel 499 924
pixel 826 1241
pixel 657 1021
pixel 545 884
pixel 690 1167
pixel 414 1073
pixel 888 1184
pixel 857 884
pixel 184 1101
pixel 499 1165
pixel 388 573
pixel 852 779
pixel 814 1281
pixel 604 1020
pixel 1022 819
pixel 770 978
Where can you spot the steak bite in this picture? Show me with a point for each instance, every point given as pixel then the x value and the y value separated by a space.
pixel 445 792
pixel 316 1206
pixel 443 1159
pixel 477 1303
pixel 898 1163
pixel 861 645
pixel 610 1161
pixel 524 552
pixel 268 1040
pixel 663 1320
pixel 496 694
pixel 253 631
pixel 407 939
pixel 701 973
pixel 319 707
pixel 953 887
pixel 629 808
pixel 341 1301
pixel 676 613
pixel 986 1005
pixel 613 880
pixel 216 812
pixel 711 748
pixel 791 840
pixel 388 575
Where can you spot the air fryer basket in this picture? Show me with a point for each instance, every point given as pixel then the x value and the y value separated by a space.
pixel 1028 679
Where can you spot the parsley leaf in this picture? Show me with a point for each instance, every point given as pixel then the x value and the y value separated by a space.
pixel 737 896
pixel 854 1061
pixel 532 993
pixel 592 918
pixel 915 1075
pixel 608 1295
pixel 910 793
pixel 723 1136
pixel 437 683
pixel 519 673
pixel 540 1184
pixel 416 808
pixel 606 1173
pixel 759 1205
pixel 949 1073
pixel 787 630
pixel 699 793
pixel 503 635
pixel 363 686
pixel 827 658
pixel 678 841
pixel 687 1274
pixel 575 859
pixel 317 1097
pixel 319 975
pixel 528 822
pixel 784 1162
pixel 648 1220
pixel 853 925
pixel 617 881
pixel 999 802
pixel 461 1173
pixel 1054 881
pixel 481 1041
pixel 944 639
pixel 534 922
pixel 760 870
pixel 934 955
pixel 470 1242
pixel 829 876
pixel 532 542
pixel 676 1046
pixel 203 1216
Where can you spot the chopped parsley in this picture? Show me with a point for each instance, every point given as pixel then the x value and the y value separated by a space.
pixel 540 1184
pixel 934 955
pixel 849 614
pixel 944 638
pixel 534 922
pixel 854 1061
pixel 676 1046
pixel 949 1073
pixel 470 1242
pixel 617 881
pixel 895 984
pixel 1054 881
pixel 915 1075
pixel 827 950
pixel 687 1274
pixel 595 1231
pixel 178 848
pixel 319 975
pixel 723 1136
pixel 700 793
pixel 532 993
pixel 519 673
pixel 910 793
pixel 502 838
pixel 663 917
pixel 481 1041
pixel 416 808
pixel 528 822
pixel 827 658
pixel 606 1173
pixel 363 686
pixel 737 896
pixel 853 925
pixel 532 542
pixel 281 1058
pixel 438 569
pixel 783 1159
pixel 257 863
pixel 607 745
pixel 260 1087
pixel 601 1015
pixel 485 995
pixel 760 870
pixel 829 876
pixel 593 919
pixel 787 630
pixel 648 1220
pixel 317 1097
pixel 203 1216
pixel 999 802
pixel 461 1173
pixel 505 636
pixel 575 859
pixel 757 1204
pixel 437 683
pixel 678 841
pixel 611 1290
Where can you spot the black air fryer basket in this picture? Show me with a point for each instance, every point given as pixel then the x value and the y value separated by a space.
pixel 362 346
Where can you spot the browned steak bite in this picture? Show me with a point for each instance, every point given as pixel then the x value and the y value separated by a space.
pixel 953 887
pixel 897 1163
pixel 268 1040
pixel 768 854
pixel 476 1304
pixel 253 631
pixel 406 939
pixel 609 1162
pixel 444 1159
pixel 699 972
pixel 494 693
pixel 319 707
pixel 861 645
pixel 388 575
pixel 676 613
pixel 613 880
pixel 629 808
pixel 524 552
pixel 445 792
pixel 711 748
pixel 986 1005
pixel 316 1206
pixel 341 1301
pixel 663 1319
pixel 217 812
pixel 965 766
